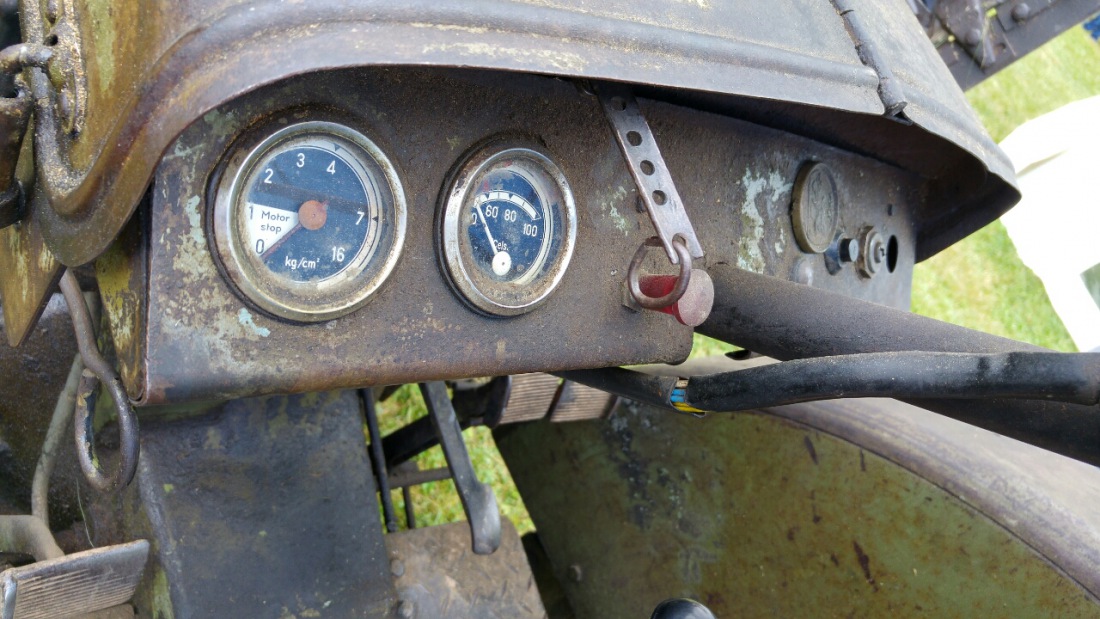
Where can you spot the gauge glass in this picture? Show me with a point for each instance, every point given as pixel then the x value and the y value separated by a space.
pixel 310 221
pixel 508 229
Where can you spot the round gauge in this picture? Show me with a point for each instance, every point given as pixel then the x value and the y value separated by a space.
pixel 309 221
pixel 507 229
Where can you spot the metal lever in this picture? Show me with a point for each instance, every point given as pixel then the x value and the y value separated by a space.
pixel 648 168
pixel 664 206
pixel 478 500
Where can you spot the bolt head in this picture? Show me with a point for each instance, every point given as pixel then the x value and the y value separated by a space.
pixel 576 573
pixel 397 568
pixel 1021 12
pixel 65 104
pixel 973 37
pixel 848 250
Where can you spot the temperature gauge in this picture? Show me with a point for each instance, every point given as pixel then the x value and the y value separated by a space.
pixel 309 222
pixel 507 229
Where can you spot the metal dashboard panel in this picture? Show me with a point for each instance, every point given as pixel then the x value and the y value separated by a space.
pixel 188 336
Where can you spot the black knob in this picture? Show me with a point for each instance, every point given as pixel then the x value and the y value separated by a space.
pixel 681 609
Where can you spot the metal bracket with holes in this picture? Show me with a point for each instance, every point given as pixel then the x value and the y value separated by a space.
pixel 648 168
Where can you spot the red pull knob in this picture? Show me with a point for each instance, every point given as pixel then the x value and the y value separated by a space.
pixel 694 307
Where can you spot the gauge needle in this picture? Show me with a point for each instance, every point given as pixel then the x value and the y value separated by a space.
pixel 312 215
pixel 502 261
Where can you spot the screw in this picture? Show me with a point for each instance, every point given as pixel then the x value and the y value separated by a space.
pixel 1021 12
pixel 406 609
pixel 397 568
pixel 576 574
pixel 848 249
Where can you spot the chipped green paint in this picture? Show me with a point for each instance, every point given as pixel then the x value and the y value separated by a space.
pixel 756 515
pixel 103 33
pixel 169 488
pixel 222 124
pixel 245 318
pixel 607 204
pixel 758 217
pixel 162 599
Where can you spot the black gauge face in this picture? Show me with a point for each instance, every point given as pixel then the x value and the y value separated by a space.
pixel 309 209
pixel 310 221
pixel 510 227
pixel 507 229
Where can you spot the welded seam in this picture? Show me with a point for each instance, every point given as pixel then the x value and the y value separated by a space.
pixel 893 99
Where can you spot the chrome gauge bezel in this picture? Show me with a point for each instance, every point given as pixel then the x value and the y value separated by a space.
pixel 353 285
pixel 527 292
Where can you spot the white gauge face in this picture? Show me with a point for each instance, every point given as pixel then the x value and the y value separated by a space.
pixel 310 221
pixel 507 229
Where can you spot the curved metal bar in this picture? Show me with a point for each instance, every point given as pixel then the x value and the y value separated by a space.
pixel 99 371
pixel 62 412
pixel 657 303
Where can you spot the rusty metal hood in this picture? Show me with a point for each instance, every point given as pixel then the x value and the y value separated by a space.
pixel 149 69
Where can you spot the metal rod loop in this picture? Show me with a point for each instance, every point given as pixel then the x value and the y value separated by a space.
pixel 98 371
pixel 682 281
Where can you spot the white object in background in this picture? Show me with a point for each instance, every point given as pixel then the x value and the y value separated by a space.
pixel 1056 225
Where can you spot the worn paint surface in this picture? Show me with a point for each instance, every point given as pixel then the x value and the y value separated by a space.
pixel 199 345
pixel 276 493
pixel 203 341
pixel 758 516
pixel 191 57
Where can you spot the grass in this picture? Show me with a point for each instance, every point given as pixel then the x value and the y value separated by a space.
pixel 978 283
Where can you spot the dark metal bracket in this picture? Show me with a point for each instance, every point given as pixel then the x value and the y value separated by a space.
pixel 478 499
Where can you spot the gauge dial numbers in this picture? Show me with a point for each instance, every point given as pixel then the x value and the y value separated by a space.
pixel 309 221
pixel 507 229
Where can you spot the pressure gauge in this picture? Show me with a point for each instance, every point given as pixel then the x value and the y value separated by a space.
pixel 507 227
pixel 308 221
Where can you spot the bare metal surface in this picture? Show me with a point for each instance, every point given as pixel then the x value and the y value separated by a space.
pixel 643 157
pixel 74 584
pixel 478 500
pixel 864 507
pixel 100 371
pixel 442 579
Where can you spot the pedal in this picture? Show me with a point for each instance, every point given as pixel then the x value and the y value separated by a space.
pixel 75 584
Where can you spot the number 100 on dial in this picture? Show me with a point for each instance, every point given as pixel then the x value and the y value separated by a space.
pixel 507 229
